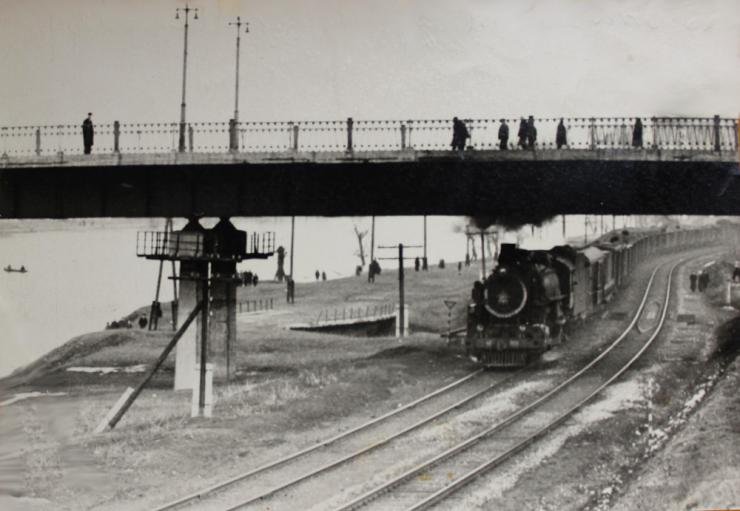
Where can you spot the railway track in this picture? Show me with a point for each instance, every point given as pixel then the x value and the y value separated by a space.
pixel 437 478
pixel 258 485
pixel 410 416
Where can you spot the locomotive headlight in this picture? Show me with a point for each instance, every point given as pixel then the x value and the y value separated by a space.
pixel 522 328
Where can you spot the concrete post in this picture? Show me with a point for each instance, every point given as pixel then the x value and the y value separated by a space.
pixel 38 141
pixel 190 295
pixel 402 315
pixel 403 137
pixel 116 136
pixel 222 324
pixel 715 133
pixel 190 138
pixel 208 401
pixel 350 123
pixel 295 137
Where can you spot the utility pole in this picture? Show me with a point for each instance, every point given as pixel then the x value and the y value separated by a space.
pixel 372 244
pixel 186 10
pixel 401 287
pixel 238 23
pixel 292 239
pixel 563 228
pixel 425 239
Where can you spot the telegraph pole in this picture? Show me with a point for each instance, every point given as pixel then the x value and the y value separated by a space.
pixel 292 239
pixel 186 10
pixel 238 24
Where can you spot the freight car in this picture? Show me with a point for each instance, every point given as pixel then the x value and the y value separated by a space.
pixel 522 307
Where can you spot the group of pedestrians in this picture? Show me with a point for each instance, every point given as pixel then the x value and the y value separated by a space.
pixel 699 281
pixel 527 134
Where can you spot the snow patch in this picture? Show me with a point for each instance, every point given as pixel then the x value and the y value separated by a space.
pixel 140 368
pixel 28 395
pixel 616 397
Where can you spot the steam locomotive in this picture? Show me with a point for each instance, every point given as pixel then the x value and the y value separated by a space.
pixel 522 308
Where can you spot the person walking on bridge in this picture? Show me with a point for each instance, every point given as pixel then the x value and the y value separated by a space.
pixel 87 133
pixel 503 135
pixel 637 134
pixel 561 136
pixel 522 133
pixel 531 132
pixel 459 135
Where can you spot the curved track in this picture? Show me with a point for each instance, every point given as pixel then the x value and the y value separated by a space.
pixel 442 400
pixel 437 478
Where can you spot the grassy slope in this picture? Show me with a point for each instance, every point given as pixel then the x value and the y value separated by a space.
pixel 263 340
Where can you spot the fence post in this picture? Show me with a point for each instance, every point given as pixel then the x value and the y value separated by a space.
pixel 190 137
pixel 38 141
pixel 116 136
pixel 715 133
pixel 403 137
pixel 592 133
pixel 295 137
pixel 350 122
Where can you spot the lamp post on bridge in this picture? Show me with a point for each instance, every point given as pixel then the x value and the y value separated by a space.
pixel 238 23
pixel 234 123
pixel 186 10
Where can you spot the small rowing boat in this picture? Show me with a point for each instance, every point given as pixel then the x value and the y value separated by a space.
pixel 10 269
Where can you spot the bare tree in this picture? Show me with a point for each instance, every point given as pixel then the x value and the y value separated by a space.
pixel 361 242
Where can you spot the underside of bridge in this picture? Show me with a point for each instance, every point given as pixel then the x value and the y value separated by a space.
pixel 446 184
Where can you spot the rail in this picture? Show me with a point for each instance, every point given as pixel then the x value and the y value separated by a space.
pixel 280 137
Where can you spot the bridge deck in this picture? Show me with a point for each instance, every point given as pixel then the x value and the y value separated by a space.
pixel 526 183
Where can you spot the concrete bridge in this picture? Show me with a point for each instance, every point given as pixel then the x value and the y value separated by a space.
pixel 678 165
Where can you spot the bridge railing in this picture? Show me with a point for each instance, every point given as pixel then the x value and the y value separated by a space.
pixel 692 133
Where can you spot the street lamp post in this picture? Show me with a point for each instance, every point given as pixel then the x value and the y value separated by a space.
pixel 186 10
pixel 238 23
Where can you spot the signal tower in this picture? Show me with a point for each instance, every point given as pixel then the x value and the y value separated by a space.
pixel 208 259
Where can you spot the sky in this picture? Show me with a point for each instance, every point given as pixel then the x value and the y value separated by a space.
pixel 368 59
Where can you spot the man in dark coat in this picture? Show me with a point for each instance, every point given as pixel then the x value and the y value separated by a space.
pixel 637 134
pixel 503 135
pixel 87 133
pixel 459 135
pixel 417 264
pixel 531 132
pixel 561 136
pixel 692 281
pixel 522 133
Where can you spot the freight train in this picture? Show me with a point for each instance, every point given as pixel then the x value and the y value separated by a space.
pixel 523 306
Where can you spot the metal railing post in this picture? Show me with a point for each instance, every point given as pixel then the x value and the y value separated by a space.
pixel 38 141
pixel 190 137
pixel 715 133
pixel 403 137
pixel 295 137
pixel 233 142
pixel 116 136
pixel 350 122
pixel 592 133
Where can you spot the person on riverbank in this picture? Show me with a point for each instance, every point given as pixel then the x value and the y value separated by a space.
pixel 637 134
pixel 88 133
pixel 692 281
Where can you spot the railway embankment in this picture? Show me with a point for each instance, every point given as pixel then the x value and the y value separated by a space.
pixel 664 436
pixel 672 418
pixel 291 390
